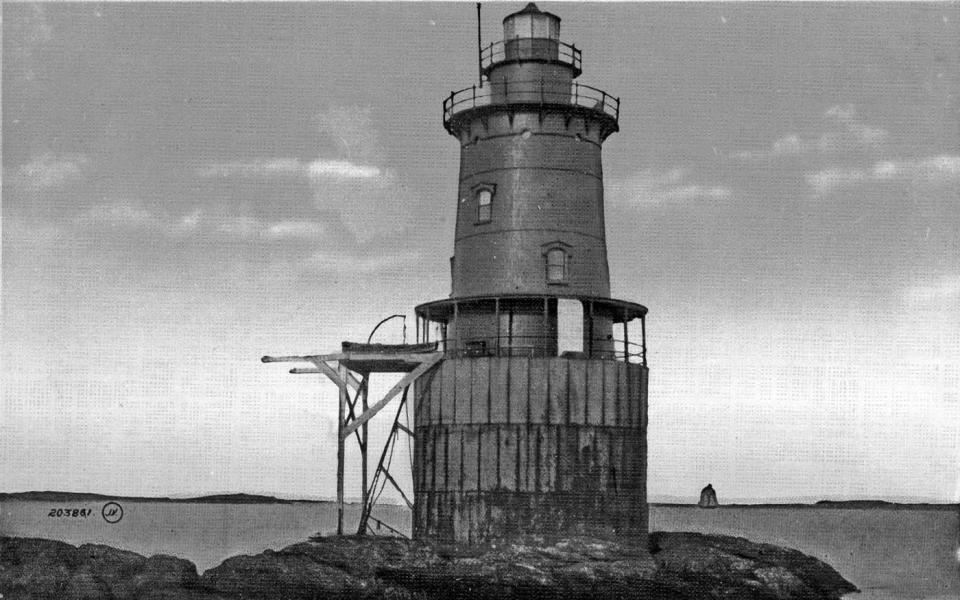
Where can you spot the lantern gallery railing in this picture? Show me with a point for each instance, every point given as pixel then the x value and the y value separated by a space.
pixel 523 325
pixel 530 49
pixel 539 92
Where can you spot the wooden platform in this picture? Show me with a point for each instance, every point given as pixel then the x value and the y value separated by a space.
pixel 384 358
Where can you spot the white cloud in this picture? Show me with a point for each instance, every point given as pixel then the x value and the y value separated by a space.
pixel 341 169
pixel 371 200
pixel 316 170
pixel 132 216
pixel 346 264
pixel 848 133
pixel 788 145
pixel 296 230
pixel 939 169
pixel 829 180
pixel 650 188
pixel 943 289
pixel 48 171
pixel 249 228
pixel 119 215
pixel 932 170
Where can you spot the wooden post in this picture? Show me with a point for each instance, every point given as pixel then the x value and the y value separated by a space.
pixel 341 409
pixel 363 452
pixel 643 338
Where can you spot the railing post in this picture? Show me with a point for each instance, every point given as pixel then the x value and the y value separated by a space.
pixel 474 96
pixel 643 338
pixel 626 338
pixel 496 312
pixel 576 94
pixel 457 328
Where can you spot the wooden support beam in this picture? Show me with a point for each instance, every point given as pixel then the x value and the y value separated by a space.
pixel 397 486
pixel 352 380
pixel 341 406
pixel 429 360
pixel 363 451
pixel 305 358
pixel 405 429
pixel 382 524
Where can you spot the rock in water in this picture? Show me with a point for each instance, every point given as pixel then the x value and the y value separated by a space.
pixel 708 497
pixel 677 566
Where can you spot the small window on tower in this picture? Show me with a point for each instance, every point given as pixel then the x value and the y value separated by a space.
pixel 556 265
pixel 484 205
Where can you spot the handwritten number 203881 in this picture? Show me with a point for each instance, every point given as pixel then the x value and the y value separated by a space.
pixel 70 512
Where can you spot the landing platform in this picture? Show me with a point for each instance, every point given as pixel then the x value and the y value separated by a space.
pixel 385 358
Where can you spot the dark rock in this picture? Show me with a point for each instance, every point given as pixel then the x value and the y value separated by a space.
pixel 709 565
pixel 37 568
pixel 676 566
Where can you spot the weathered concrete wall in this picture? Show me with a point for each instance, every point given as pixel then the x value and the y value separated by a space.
pixel 530 445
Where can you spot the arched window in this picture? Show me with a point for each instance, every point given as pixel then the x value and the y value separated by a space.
pixel 556 265
pixel 484 204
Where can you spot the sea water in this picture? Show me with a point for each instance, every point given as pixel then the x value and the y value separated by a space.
pixel 889 554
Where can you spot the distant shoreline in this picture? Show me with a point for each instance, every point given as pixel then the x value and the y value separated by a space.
pixel 48 496
pixel 53 496
pixel 839 504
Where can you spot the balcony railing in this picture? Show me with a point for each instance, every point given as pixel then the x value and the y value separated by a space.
pixel 540 346
pixel 535 49
pixel 538 92
pixel 595 340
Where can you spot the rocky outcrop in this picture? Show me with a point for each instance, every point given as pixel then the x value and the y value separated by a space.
pixel 676 566
pixel 37 568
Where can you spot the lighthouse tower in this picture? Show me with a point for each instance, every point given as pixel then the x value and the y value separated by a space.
pixel 535 420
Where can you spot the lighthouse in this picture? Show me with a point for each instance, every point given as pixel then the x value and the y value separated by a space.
pixel 535 419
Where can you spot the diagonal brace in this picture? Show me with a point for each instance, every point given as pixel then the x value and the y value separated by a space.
pixel 397 486
pixel 409 378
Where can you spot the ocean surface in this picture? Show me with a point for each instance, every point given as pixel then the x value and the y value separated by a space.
pixel 889 554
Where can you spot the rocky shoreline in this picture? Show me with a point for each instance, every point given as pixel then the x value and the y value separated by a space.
pixel 675 566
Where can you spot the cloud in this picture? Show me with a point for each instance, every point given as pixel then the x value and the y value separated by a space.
pixel 119 215
pixel 296 230
pixel 829 180
pixel 347 179
pixel 670 187
pixel 48 171
pixel 788 145
pixel 347 264
pixel 133 217
pixel 316 170
pixel 847 133
pixel 943 289
pixel 846 115
pixel 932 170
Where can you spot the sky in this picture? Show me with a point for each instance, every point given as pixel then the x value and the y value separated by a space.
pixel 189 187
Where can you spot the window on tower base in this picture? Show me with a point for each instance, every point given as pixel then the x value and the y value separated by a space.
pixel 484 200
pixel 484 195
pixel 557 265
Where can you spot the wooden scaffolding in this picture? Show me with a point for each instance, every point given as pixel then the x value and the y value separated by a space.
pixel 350 371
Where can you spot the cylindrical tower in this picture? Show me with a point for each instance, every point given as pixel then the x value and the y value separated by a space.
pixel 536 419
